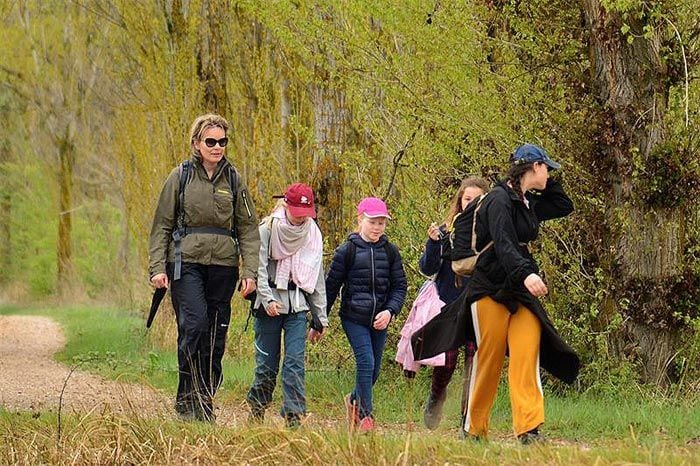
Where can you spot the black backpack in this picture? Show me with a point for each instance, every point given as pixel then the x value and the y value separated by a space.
pixel 463 239
pixel 182 230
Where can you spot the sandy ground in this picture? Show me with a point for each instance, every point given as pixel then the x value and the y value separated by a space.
pixel 30 379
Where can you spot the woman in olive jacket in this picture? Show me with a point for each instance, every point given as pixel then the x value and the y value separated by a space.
pixel 499 310
pixel 204 237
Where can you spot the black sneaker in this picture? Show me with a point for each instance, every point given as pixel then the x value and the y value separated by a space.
pixel 257 414
pixel 292 420
pixel 531 436
pixel 432 413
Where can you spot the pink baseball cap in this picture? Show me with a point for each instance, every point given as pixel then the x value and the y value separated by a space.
pixel 300 200
pixel 372 207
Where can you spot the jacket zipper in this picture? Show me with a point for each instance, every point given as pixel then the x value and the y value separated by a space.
pixel 245 202
pixel 374 295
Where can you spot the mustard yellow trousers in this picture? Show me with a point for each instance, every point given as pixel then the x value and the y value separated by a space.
pixel 496 330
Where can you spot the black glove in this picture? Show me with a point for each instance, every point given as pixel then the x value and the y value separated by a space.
pixel 315 322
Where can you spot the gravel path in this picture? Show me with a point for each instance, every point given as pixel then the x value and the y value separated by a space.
pixel 30 380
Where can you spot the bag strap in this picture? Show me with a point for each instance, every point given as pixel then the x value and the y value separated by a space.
pixel 476 211
pixel 181 229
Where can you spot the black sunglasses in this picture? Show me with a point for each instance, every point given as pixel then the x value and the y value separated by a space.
pixel 211 142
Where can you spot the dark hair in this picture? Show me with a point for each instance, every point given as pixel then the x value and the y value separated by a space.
pixel 456 203
pixel 515 175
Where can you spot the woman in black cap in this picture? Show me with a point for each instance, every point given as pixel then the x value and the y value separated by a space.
pixel 500 310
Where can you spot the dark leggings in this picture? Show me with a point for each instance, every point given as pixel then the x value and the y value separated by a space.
pixel 443 374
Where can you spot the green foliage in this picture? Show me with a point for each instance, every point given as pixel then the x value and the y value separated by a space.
pixel 392 98
pixel 33 240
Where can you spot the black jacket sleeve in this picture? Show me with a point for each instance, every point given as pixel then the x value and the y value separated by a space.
pixel 552 202
pixel 505 239
pixel 399 285
pixel 337 275
pixel 431 259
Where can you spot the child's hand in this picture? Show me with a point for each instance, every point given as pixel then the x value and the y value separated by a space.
pixel 315 336
pixel 273 309
pixel 434 232
pixel 381 320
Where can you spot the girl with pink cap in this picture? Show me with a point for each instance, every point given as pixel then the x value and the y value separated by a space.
pixel 368 274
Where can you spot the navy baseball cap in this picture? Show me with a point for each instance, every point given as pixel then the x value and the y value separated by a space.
pixel 528 153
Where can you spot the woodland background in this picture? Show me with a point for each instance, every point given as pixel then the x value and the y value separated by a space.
pixel 398 99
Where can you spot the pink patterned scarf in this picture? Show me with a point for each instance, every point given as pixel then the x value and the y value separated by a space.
pixel 298 251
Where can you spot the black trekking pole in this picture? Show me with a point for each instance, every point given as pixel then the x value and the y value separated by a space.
pixel 158 296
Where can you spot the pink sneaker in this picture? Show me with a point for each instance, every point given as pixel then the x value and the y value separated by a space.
pixel 366 424
pixel 352 412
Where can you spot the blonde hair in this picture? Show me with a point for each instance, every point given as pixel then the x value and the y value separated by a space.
pixel 203 123
pixel 456 203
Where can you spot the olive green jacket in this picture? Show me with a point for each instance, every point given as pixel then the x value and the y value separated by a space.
pixel 208 203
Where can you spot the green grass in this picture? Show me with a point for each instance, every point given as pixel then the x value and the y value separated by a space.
pixel 636 425
pixel 26 439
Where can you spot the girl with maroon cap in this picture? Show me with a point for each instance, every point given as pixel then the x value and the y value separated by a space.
pixel 290 284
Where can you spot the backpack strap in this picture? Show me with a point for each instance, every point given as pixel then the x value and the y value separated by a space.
pixel 391 253
pixel 476 211
pixel 350 251
pixel 181 229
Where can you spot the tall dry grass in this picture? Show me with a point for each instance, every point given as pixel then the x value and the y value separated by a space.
pixel 116 439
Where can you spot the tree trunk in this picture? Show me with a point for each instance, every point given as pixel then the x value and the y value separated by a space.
pixel 211 59
pixel 65 180
pixel 331 120
pixel 646 243
pixel 5 236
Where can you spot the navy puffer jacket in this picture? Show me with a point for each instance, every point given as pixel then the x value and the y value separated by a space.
pixel 371 284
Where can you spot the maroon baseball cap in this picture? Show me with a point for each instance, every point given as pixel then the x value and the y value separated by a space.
pixel 300 200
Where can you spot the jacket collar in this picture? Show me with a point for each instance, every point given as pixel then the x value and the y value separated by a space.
pixel 357 239
pixel 196 160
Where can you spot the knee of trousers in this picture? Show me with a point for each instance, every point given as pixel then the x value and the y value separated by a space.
pixel 365 362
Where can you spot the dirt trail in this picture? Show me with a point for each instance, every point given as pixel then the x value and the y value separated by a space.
pixel 31 380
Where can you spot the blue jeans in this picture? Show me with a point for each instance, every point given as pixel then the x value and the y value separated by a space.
pixel 268 337
pixel 368 346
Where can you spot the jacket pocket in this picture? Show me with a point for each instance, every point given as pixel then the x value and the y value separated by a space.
pixel 223 207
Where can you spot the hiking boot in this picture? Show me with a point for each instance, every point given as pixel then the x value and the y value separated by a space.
pixel 257 414
pixel 187 416
pixel 353 416
pixel 204 416
pixel 185 411
pixel 432 413
pixel 292 420
pixel 531 436
pixel 467 437
pixel 366 425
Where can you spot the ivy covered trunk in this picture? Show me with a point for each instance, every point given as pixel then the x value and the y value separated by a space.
pixel 646 238
pixel 331 119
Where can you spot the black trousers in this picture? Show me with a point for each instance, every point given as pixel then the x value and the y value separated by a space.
pixel 202 302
